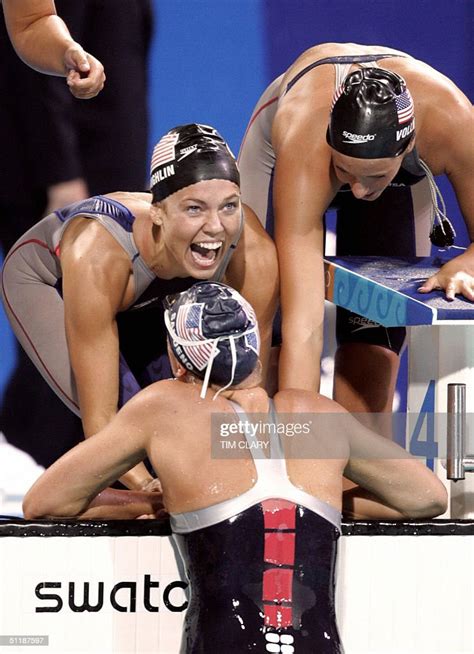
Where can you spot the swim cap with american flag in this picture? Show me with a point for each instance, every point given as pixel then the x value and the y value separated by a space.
pixel 213 332
pixel 189 154
pixel 372 115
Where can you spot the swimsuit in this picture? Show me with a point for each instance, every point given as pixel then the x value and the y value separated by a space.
pixel 32 296
pixel 396 224
pixel 261 566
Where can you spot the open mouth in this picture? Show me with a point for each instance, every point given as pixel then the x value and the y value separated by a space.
pixel 205 253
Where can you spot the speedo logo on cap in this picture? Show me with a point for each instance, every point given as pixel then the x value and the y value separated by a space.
pixel 358 138
pixel 185 152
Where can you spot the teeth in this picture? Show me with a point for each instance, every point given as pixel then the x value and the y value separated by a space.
pixel 210 246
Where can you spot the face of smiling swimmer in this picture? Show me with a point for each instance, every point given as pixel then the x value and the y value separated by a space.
pixel 197 224
pixel 367 178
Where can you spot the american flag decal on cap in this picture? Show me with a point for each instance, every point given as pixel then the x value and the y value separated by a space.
pixel 189 327
pixel 404 104
pixel 337 95
pixel 252 339
pixel 164 150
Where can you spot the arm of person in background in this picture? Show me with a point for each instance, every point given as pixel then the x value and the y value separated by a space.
pixel 64 193
pixel 451 127
pixel 42 40
pixel 76 484
pixel 303 189
pixel 96 277
pixel 51 132
pixel 253 271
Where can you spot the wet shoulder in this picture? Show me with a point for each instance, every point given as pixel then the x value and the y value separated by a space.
pixel 428 85
pixel 297 400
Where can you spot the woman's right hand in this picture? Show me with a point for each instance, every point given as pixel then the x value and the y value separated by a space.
pixel 85 73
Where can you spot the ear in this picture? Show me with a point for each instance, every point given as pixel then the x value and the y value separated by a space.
pixel 156 213
pixel 180 371
pixel 411 145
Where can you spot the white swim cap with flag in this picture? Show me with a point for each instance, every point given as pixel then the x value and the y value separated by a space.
pixel 213 332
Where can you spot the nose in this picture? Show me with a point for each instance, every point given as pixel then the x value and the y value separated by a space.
pixel 213 224
pixel 359 190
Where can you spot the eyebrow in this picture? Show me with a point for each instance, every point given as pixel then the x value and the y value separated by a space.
pixel 234 196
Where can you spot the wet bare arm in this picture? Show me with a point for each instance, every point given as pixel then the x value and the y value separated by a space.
pixel 112 504
pixel 69 486
pixel 302 191
pixel 394 484
pixel 452 126
pixel 253 271
pixel 96 272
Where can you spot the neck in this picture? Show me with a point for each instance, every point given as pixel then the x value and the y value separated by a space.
pixel 236 393
pixel 150 245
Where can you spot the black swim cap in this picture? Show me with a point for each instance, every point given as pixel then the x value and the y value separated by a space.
pixel 213 332
pixel 372 115
pixel 189 154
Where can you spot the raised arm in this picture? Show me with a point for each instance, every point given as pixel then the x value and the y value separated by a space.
pixel 42 40
pixel 302 191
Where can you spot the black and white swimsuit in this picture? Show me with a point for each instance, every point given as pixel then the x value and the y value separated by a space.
pixel 261 567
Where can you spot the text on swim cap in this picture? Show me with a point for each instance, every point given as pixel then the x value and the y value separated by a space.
pixel 162 174
pixel 358 138
pixel 402 133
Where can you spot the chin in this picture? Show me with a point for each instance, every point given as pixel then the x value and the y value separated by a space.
pixel 203 274
pixel 371 198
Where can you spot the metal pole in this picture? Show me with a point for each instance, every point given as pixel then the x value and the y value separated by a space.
pixel 456 431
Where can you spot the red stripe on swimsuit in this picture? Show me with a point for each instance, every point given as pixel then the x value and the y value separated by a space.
pixel 254 118
pixel 280 537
